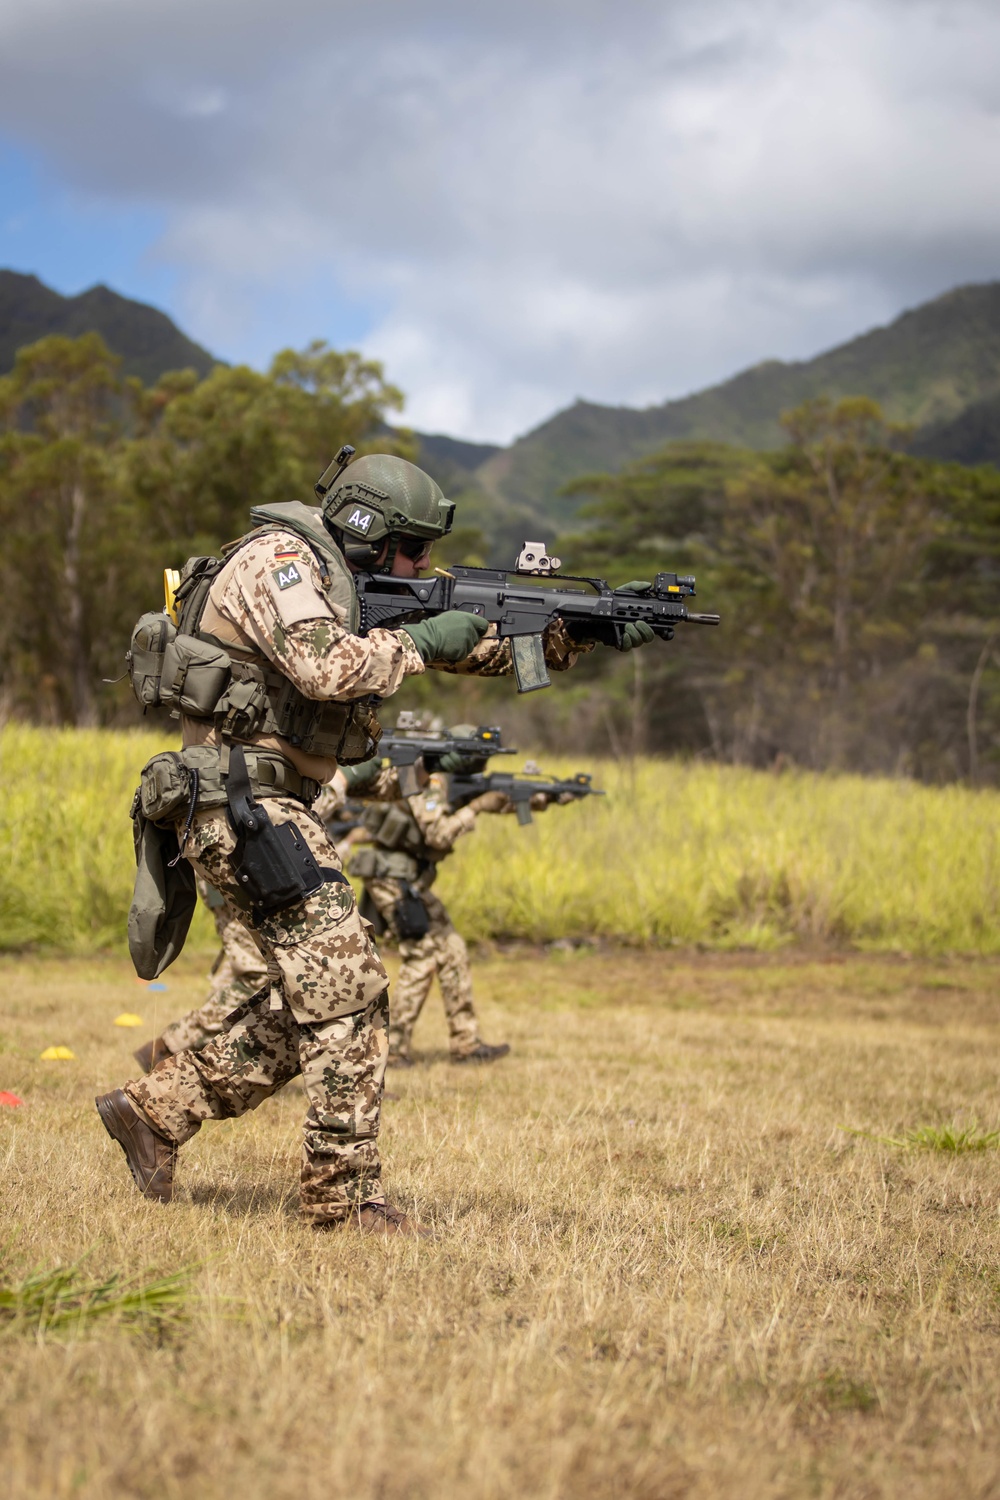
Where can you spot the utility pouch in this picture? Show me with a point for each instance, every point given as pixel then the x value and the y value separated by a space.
pixel 194 676
pixel 242 710
pixel 369 912
pixel 272 865
pixel 164 788
pixel 397 828
pixel 163 900
pixel 151 636
pixel 364 864
pixel 361 734
pixel 410 914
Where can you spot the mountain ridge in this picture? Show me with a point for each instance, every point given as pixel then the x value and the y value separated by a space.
pixel 935 367
pixel 925 369
pixel 147 340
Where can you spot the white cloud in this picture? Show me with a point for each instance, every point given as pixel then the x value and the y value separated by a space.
pixel 533 201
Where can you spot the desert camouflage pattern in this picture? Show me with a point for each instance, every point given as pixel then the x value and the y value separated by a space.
pixel 442 954
pixel 439 827
pixel 319 958
pixel 329 802
pixel 299 631
pixel 493 658
pixel 239 972
pixel 342 1063
pixel 324 1013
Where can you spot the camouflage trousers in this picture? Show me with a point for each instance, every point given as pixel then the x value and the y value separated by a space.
pixel 239 972
pixel 440 952
pixel 325 1014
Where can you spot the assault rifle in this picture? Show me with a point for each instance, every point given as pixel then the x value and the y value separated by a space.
pixel 589 607
pixel 519 788
pixel 408 743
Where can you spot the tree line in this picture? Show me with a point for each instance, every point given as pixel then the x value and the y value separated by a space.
pixel 104 482
pixel 859 586
pixel 859 589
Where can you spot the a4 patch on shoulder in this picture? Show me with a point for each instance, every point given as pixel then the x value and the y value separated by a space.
pixel 289 574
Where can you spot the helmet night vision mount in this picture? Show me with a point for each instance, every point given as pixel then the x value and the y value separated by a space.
pixel 380 498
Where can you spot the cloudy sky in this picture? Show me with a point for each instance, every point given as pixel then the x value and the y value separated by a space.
pixel 511 202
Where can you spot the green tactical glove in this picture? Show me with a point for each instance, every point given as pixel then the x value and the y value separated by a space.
pixel 457 764
pixel 636 632
pixel 361 775
pixel 448 637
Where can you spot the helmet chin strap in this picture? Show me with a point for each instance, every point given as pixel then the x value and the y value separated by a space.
pixel 390 554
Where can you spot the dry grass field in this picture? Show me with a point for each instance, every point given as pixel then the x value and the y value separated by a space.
pixel 661 1270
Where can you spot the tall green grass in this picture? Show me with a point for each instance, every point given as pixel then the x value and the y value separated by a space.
pixel 694 853
pixel 675 853
pixel 66 853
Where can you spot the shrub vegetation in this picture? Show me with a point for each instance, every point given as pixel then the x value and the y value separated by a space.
pixel 674 853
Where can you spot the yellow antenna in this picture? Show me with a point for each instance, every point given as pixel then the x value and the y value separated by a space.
pixel 171 583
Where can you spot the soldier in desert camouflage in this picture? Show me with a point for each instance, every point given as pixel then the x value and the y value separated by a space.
pixel 281 613
pixel 409 836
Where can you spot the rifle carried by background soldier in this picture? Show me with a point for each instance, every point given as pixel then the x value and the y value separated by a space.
pixel 409 833
pixel 443 750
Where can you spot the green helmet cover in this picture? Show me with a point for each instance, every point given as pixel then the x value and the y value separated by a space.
pixel 380 495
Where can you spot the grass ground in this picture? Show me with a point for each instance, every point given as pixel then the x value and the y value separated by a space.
pixel 662 1268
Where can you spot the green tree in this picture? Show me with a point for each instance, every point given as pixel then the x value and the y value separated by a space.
pixel 65 412
pixel 103 483
pixel 239 438
pixel 856 585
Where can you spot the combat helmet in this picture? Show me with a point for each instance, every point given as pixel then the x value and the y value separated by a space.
pixel 380 496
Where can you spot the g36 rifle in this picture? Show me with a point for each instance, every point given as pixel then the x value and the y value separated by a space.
pixel 521 608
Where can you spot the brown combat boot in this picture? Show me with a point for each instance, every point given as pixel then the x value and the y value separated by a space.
pixel 482 1052
pixel 382 1218
pixel 150 1053
pixel 150 1156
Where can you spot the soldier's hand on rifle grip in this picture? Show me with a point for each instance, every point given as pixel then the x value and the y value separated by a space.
pixel 637 632
pixel 491 802
pixel 448 637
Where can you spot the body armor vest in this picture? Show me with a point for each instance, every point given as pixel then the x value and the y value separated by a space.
pixel 399 851
pixel 191 672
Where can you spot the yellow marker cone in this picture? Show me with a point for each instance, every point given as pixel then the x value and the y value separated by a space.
pixel 57 1054
pixel 127 1019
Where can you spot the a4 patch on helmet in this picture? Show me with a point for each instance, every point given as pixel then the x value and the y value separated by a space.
pixel 380 495
pixel 359 520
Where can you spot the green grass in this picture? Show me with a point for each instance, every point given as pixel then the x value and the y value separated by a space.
pixel 676 853
pixel 62 1300
pixel 953 1138
pixel 692 853
pixel 66 855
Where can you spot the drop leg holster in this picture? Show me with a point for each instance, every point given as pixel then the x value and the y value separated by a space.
pixel 272 864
